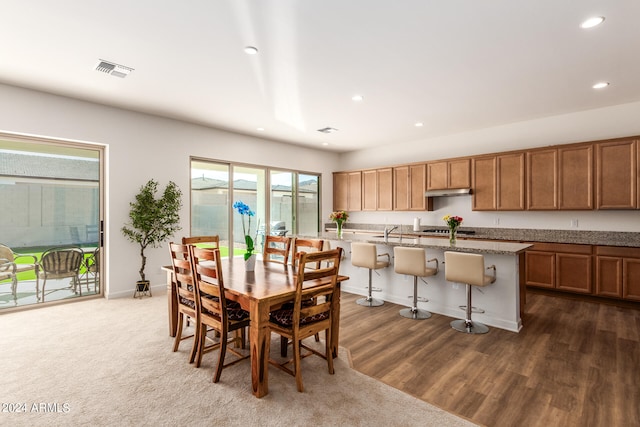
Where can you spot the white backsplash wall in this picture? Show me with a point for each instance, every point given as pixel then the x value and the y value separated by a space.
pixel 627 220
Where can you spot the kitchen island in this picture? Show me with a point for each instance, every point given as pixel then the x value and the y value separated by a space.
pixel 502 301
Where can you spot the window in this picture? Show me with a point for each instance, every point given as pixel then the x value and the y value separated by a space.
pixel 285 202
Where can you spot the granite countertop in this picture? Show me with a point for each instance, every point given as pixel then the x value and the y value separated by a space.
pixel 471 245
pixel 600 238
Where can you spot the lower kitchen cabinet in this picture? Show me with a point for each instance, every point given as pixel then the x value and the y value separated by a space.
pixel 565 267
pixel 618 272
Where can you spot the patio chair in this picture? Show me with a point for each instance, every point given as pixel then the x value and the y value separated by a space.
pixel 61 263
pixel 92 270
pixel 9 268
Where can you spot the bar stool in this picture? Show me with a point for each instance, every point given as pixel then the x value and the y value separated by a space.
pixel 468 269
pixel 366 255
pixel 412 261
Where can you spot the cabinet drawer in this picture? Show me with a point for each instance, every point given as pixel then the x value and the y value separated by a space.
pixel 562 248
pixel 618 251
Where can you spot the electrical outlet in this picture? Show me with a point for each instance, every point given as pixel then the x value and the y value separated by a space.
pixel 455 285
pixel 574 223
pixel 496 221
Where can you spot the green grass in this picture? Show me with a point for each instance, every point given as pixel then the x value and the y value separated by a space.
pixel 31 275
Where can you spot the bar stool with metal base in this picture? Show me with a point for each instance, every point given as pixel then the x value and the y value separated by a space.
pixel 366 255
pixel 413 262
pixel 468 269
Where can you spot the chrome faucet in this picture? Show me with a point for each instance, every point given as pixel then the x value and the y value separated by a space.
pixel 388 231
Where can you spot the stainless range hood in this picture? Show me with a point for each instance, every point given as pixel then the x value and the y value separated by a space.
pixel 448 193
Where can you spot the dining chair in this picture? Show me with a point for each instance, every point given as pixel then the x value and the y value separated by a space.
pixel 202 241
pixel 214 311
pixel 185 295
pixel 309 314
pixel 61 263
pixel 276 249
pixel 299 246
pixel 305 245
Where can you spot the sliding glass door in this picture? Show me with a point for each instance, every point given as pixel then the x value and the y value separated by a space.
pixel 284 202
pixel 51 196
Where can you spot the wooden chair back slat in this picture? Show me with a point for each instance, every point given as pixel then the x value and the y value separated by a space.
pixel 276 249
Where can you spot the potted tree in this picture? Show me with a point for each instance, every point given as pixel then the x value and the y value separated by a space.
pixel 152 220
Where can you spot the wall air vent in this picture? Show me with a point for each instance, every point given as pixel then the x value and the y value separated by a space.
pixel 113 69
pixel 328 130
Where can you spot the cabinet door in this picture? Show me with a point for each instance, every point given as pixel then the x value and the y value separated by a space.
pixel 510 182
pixel 369 190
pixel 385 189
pixel 575 178
pixel 401 188
pixel 573 273
pixel 355 191
pixel 458 172
pixel 542 180
pixel 616 175
pixel 609 276
pixel 483 171
pixel 417 183
pixel 340 191
pixel 631 279
pixel 437 175
pixel 540 269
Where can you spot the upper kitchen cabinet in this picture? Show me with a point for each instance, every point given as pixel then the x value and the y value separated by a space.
pixel 377 189
pixel 617 174
pixel 449 174
pixel 498 182
pixel 542 179
pixel 575 177
pixel 560 178
pixel 409 184
pixel 347 191
pixel 510 182
pixel 483 172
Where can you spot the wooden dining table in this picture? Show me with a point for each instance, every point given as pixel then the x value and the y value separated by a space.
pixel 258 292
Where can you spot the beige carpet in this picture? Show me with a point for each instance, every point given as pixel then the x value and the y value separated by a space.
pixel 107 363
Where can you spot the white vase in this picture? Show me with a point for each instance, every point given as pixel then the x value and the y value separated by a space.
pixel 250 263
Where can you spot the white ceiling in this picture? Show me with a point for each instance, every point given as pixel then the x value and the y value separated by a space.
pixel 455 65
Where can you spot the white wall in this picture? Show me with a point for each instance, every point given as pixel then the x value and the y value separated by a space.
pixel 604 123
pixel 140 147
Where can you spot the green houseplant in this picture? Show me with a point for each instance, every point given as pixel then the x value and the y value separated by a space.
pixel 152 220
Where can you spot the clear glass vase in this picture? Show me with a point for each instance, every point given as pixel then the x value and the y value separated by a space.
pixel 339 229
pixel 453 232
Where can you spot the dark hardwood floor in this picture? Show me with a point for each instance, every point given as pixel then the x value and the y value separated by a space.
pixel 575 363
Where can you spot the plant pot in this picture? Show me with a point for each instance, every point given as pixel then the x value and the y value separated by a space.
pixel 142 289
pixel 250 263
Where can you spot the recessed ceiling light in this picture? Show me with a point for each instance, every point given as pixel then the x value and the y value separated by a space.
pixel 250 50
pixel 419 124
pixel 357 97
pixel 325 143
pixel 260 129
pixel 600 85
pixel 592 22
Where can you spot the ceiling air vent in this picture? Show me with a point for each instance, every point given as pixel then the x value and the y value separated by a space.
pixel 328 130
pixel 113 69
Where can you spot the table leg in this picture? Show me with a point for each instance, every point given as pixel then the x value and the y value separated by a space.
pixel 260 341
